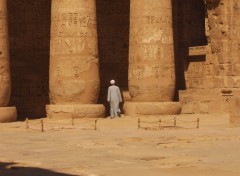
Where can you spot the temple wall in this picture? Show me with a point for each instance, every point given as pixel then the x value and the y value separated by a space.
pixel 29 30
pixel 218 70
pixel 213 81
pixel 224 35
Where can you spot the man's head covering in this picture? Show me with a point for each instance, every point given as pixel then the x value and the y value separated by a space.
pixel 112 81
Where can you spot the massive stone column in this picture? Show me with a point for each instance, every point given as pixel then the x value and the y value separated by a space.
pixel 74 66
pixel 7 114
pixel 151 58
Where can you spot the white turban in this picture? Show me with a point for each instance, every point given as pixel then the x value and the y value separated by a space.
pixel 112 82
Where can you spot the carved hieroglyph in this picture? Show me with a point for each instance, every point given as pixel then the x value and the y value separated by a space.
pixel 74 66
pixel 74 74
pixel 151 55
pixel 5 82
pixel 7 114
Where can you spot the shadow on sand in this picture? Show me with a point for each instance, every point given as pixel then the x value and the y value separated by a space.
pixel 11 169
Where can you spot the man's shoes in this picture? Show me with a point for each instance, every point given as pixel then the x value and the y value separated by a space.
pixel 119 114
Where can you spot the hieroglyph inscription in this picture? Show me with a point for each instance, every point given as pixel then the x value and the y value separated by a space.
pixel 141 33
pixel 155 71
pixel 73 33
pixel 2 24
pixel 4 74
pixel 61 46
pixel 66 28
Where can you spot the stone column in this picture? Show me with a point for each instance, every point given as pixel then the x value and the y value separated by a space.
pixel 74 66
pixel 7 114
pixel 151 59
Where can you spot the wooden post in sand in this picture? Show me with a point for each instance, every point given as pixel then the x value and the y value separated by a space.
pixel 160 121
pixel 42 126
pixel 198 120
pixel 95 128
pixel 27 125
pixel 139 126
pixel 72 121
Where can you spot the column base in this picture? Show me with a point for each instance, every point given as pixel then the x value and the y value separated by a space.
pixel 151 108
pixel 8 114
pixel 207 101
pixel 76 111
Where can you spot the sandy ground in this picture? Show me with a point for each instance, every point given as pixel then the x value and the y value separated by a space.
pixel 119 148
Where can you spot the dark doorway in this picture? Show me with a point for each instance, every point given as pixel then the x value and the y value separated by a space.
pixel 29 34
pixel 189 30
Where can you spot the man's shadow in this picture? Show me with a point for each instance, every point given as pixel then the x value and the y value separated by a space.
pixel 11 169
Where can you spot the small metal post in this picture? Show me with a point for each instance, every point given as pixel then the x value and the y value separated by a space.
pixel 95 128
pixel 27 125
pixel 198 120
pixel 42 127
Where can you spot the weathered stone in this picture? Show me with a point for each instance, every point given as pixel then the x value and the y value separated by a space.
pixel 208 78
pixel 206 50
pixel 75 111
pixel 74 65
pixel 235 111
pixel 204 101
pixel 151 55
pixel 7 114
pixel 5 80
pixel 151 59
pixel 199 50
pixel 151 108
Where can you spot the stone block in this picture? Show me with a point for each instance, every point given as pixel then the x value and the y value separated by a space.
pixel 151 108
pixel 207 100
pixel 235 111
pixel 75 111
pixel 8 114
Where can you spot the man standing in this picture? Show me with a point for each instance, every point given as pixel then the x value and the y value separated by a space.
pixel 114 98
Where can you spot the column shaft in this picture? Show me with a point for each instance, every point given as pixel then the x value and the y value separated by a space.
pixel 5 81
pixel 74 65
pixel 7 114
pixel 151 58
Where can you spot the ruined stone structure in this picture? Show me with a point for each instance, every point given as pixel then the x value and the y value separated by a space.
pixel 213 83
pixel 6 113
pixel 161 51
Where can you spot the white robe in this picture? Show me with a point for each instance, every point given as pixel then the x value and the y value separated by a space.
pixel 114 98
